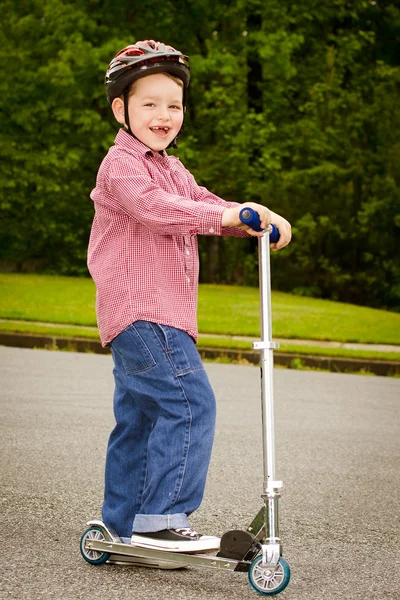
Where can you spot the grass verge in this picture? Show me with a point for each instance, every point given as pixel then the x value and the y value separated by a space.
pixel 224 310
pixel 204 341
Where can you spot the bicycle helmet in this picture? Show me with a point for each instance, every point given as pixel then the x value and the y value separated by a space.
pixel 143 58
pixel 140 59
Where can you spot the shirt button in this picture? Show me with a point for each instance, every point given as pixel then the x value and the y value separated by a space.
pixel 211 230
pixel 188 279
pixel 187 252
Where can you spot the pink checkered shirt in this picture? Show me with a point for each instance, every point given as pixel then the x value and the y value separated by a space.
pixel 143 253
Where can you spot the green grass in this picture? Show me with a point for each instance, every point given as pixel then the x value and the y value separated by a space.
pixel 52 299
pixel 235 311
pixel 225 310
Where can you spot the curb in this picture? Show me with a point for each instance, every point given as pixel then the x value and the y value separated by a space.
pixel 291 361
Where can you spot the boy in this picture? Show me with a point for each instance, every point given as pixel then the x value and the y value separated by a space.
pixel 143 258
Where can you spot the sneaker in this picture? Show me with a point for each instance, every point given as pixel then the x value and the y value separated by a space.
pixel 184 539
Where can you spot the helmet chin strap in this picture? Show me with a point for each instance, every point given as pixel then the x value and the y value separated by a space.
pixel 126 112
pixel 173 144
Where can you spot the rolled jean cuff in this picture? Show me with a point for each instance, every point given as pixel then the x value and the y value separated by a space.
pixel 153 523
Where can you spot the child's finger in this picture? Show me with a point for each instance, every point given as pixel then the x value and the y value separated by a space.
pixel 249 230
pixel 252 232
pixel 283 240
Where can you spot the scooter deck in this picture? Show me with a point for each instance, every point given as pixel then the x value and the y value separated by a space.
pixel 124 551
pixel 135 561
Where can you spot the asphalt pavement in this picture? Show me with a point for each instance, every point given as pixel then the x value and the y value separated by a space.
pixel 338 446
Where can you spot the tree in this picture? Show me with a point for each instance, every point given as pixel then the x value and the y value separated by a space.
pixel 294 105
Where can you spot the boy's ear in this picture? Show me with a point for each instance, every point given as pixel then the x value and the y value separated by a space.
pixel 118 110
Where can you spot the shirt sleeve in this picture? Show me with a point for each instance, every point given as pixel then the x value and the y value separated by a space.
pixel 202 194
pixel 162 212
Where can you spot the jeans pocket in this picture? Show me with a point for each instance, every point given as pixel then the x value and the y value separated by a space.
pixel 133 351
pixel 180 349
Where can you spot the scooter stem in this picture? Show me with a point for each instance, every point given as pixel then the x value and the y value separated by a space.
pixel 266 347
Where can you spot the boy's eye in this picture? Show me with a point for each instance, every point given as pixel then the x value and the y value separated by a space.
pixel 175 106
pixel 149 104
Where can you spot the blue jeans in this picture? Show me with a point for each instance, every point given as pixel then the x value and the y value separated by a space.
pixel 159 451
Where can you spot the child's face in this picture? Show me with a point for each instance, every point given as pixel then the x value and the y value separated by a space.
pixel 156 110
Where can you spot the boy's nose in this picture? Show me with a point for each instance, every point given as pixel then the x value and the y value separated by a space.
pixel 163 115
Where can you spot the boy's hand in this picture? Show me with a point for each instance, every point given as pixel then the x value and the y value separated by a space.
pixel 285 231
pixel 230 218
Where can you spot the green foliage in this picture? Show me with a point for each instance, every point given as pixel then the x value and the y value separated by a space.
pixel 295 105
pixel 52 131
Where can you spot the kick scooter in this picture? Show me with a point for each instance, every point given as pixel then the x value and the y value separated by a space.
pixel 257 550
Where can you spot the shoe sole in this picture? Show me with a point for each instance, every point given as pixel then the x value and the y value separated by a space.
pixel 174 547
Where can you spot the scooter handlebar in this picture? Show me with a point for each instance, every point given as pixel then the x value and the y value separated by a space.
pixel 250 217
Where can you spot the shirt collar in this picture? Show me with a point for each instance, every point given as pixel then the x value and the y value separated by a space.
pixel 128 142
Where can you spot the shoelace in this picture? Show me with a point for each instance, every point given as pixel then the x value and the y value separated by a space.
pixel 187 531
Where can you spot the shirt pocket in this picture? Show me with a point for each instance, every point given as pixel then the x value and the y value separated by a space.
pixel 133 351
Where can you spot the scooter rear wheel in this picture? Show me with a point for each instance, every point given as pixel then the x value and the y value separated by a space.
pixel 267 581
pixel 94 557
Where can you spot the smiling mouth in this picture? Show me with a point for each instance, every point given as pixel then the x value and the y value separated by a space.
pixel 160 130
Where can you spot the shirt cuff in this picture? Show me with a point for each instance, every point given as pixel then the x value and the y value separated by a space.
pixel 211 222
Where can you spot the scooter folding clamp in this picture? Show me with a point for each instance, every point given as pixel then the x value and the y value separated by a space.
pixel 265 345
pixel 272 489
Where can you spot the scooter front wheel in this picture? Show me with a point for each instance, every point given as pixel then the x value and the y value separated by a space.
pixel 267 581
pixel 94 557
